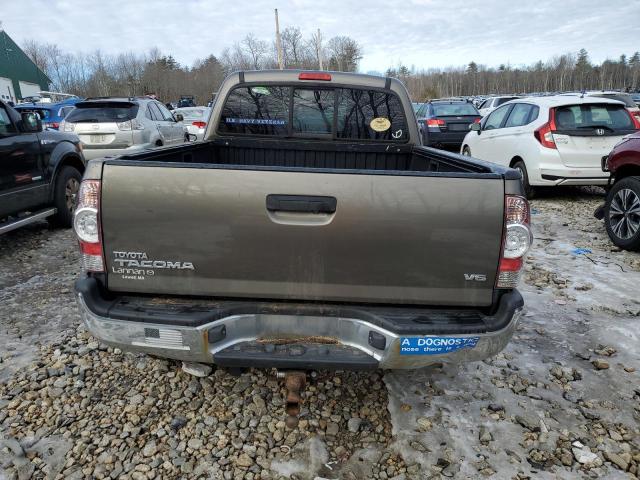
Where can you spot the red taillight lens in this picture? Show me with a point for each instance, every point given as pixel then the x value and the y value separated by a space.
pixel 199 124
pixel 635 117
pixel 86 224
pixel 435 122
pixel 544 135
pixel 477 120
pixel 515 242
pixel 325 77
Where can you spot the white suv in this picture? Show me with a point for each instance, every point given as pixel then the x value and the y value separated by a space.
pixel 555 140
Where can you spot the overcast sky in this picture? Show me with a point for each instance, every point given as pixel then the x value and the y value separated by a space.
pixel 424 33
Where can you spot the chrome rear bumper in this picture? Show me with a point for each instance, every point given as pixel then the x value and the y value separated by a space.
pixel 290 341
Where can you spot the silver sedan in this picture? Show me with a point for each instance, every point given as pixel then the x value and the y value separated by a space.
pixel 195 119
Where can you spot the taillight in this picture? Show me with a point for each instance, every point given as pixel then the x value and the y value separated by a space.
pixel 544 133
pixel 435 122
pixel 199 124
pixel 635 117
pixel 516 241
pixel 325 77
pixel 86 224
pixel 477 120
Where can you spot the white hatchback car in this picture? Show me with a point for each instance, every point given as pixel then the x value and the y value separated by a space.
pixel 555 140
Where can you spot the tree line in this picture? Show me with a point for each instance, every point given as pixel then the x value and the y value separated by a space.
pixel 567 72
pixel 130 74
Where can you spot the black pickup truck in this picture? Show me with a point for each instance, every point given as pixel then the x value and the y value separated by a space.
pixel 40 171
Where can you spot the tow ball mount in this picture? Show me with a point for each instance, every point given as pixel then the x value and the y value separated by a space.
pixel 295 382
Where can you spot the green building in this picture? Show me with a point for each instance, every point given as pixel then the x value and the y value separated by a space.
pixel 19 76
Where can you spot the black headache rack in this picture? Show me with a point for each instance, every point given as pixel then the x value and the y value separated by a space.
pixel 195 311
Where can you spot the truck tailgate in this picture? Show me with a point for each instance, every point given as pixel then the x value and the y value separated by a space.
pixel 199 230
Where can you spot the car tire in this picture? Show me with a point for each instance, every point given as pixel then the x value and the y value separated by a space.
pixel 622 213
pixel 65 192
pixel 529 191
pixel 466 151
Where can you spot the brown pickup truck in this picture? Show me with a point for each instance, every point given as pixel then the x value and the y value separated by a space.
pixel 310 229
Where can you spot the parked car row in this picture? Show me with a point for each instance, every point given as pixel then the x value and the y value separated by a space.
pixel 40 171
pixel 444 123
pixel 567 140
pixel 51 114
pixel 44 148
pixel 113 126
pixel 557 140
pixel 195 119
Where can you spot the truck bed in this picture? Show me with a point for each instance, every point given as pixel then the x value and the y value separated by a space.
pixel 318 155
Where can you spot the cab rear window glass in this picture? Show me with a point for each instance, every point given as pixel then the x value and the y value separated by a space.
pixel 370 115
pixel 341 113
pixel 578 117
pixel 102 113
pixel 313 111
pixel 257 110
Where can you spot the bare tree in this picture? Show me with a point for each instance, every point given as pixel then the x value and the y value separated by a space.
pixel 345 54
pixel 293 47
pixel 256 49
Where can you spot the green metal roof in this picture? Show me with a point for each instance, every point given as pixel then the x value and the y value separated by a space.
pixel 17 66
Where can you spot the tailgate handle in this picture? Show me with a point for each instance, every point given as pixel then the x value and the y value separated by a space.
pixel 301 203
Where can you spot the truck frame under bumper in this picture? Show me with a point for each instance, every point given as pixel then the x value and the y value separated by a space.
pixel 297 336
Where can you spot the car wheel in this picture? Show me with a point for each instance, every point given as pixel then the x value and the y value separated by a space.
pixel 622 213
pixel 65 193
pixel 529 191
pixel 466 151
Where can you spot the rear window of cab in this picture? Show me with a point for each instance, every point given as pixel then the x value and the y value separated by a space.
pixel 314 112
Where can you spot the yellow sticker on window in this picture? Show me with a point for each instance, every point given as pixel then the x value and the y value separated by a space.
pixel 380 124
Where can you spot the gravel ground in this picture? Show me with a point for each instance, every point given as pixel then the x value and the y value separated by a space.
pixel 562 401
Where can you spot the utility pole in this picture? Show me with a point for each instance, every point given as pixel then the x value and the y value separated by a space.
pixel 319 48
pixel 279 44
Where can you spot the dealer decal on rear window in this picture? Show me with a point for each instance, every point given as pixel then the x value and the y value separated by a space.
pixel 435 345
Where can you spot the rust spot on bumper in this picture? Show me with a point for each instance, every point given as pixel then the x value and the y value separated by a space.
pixel 298 339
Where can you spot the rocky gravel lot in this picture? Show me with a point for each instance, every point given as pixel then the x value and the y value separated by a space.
pixel 562 401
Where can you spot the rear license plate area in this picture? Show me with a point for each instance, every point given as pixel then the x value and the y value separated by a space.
pixel 435 345
pixel 97 138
